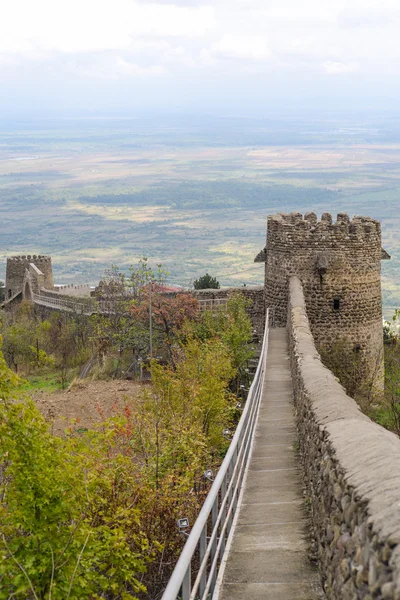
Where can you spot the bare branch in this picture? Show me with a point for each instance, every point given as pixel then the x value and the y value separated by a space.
pixel 77 564
pixel 20 566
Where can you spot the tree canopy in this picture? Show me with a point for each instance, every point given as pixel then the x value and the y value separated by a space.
pixel 93 513
pixel 206 282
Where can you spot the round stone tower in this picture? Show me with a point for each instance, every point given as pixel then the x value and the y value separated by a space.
pixel 17 267
pixel 339 265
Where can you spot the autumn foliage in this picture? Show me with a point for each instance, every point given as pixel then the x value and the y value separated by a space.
pixel 169 311
pixel 93 514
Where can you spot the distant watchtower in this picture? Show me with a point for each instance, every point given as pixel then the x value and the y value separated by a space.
pixel 27 274
pixel 339 265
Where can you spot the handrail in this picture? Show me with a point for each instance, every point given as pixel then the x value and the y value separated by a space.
pixel 203 551
pixel 212 304
pixel 64 304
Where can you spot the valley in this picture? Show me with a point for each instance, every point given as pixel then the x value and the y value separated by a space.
pixel 193 195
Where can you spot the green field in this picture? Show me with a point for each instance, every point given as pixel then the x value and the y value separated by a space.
pixel 193 195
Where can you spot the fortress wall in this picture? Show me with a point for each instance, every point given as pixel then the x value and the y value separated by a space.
pixel 15 271
pixel 73 290
pixel 339 266
pixel 352 474
pixel 255 294
pixel 82 299
pixel 37 278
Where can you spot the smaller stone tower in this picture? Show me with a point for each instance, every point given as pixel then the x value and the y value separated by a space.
pixel 34 270
pixel 339 265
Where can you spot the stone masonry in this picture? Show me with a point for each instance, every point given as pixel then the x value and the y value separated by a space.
pixel 352 475
pixel 339 265
pixel 29 272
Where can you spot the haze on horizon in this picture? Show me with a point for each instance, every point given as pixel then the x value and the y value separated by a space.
pixel 233 56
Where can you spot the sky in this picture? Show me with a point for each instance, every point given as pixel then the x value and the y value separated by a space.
pixel 229 56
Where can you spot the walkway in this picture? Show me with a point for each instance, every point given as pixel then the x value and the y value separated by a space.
pixel 268 559
pixel 65 305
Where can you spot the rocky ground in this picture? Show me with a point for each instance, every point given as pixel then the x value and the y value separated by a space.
pixel 85 403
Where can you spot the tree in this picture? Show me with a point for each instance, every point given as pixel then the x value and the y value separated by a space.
pixel 233 327
pixel 25 338
pixel 169 313
pixel 68 528
pixel 117 327
pixel 206 282
pixel 2 292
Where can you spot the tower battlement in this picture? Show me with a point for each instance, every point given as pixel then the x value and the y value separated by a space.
pixel 339 265
pixel 16 269
pixel 295 228
pixel 28 258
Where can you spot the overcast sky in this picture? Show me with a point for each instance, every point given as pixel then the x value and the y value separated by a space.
pixel 238 56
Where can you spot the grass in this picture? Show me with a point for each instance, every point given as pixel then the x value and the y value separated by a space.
pixel 383 416
pixel 48 382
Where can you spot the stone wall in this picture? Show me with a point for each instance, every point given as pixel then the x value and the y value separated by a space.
pixel 76 291
pixel 37 280
pixel 67 297
pixel 339 265
pixel 16 267
pixel 352 475
pixel 256 310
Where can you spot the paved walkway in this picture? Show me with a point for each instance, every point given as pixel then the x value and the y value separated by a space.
pixel 268 557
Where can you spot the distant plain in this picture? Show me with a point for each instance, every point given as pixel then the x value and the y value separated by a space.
pixel 190 193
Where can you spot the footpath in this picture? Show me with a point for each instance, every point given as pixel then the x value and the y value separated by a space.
pixel 268 558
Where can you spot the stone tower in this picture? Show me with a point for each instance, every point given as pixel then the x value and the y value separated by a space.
pixel 339 265
pixel 28 272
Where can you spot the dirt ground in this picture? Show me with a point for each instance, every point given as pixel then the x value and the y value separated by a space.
pixel 85 404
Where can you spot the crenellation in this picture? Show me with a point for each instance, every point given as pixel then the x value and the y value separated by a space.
pixel 311 217
pixel 339 266
pixel 342 218
pixel 326 218
pixel 286 224
pixel 20 278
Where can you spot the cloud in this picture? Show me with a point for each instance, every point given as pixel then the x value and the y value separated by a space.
pixel 113 67
pixel 192 47
pixel 338 68
pixel 161 50
pixel 125 68
pixel 369 13
pixel 47 26
pixel 239 47
pixel 182 2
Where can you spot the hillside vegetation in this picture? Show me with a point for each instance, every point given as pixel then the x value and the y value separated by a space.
pixel 93 513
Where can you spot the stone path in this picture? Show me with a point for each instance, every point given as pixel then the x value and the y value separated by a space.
pixel 268 557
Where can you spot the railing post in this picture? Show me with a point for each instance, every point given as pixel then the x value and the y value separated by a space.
pixel 214 517
pixel 203 547
pixel 234 498
pixel 223 518
pixel 186 585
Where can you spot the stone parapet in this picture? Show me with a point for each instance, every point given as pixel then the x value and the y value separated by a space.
pixel 65 296
pixel 352 474
pixel 75 290
pixel 307 230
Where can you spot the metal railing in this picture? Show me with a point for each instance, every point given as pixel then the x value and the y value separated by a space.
pixel 201 556
pixel 212 304
pixel 63 304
